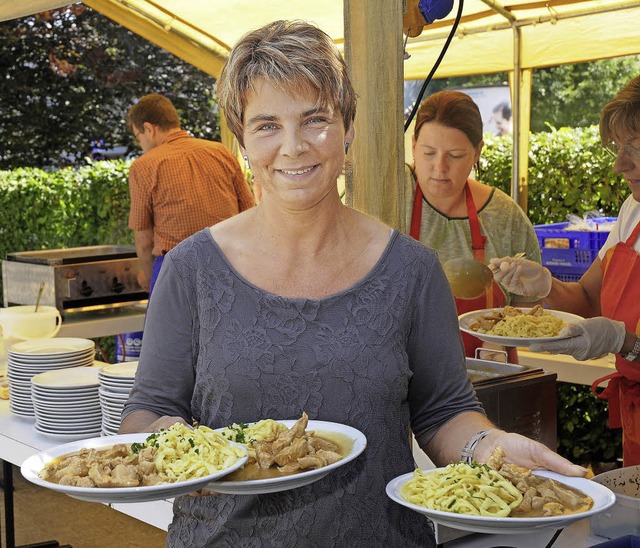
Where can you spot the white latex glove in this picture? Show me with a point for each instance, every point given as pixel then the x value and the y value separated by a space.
pixel 589 338
pixel 521 276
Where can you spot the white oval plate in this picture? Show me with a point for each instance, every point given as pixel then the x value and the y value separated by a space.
pixel 52 347
pixel 47 363
pixel 125 370
pixel 118 389
pixel 603 498
pixel 69 421
pixel 273 485
pixel 75 377
pixel 34 465
pixel 466 319
pixel 45 366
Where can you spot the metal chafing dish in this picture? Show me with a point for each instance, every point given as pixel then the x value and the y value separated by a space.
pixel 75 279
pixel 517 399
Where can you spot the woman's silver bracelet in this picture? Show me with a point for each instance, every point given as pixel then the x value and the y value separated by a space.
pixel 470 447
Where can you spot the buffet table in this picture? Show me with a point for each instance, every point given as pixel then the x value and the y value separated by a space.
pixel 567 368
pixel 103 323
pixel 18 441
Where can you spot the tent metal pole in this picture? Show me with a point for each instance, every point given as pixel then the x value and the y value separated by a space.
pixel 516 194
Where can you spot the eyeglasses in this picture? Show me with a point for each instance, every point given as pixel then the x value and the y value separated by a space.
pixel 625 150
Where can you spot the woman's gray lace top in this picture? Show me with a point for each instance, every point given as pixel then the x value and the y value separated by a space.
pixel 381 356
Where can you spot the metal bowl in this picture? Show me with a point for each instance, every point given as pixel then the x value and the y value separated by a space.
pixel 623 518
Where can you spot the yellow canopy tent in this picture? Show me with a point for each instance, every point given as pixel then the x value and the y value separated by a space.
pixel 515 37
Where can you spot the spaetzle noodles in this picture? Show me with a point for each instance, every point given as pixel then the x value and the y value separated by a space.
pixel 181 453
pixel 473 489
pixel 525 326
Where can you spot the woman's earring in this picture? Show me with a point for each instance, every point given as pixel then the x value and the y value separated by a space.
pixel 246 162
pixel 346 147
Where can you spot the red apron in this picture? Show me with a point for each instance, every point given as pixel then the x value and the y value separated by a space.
pixel 619 297
pixel 494 297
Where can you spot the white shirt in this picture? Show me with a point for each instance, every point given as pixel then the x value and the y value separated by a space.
pixel 628 218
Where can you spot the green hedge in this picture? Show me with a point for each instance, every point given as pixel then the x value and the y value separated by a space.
pixel 71 207
pixel 569 172
pixel 583 433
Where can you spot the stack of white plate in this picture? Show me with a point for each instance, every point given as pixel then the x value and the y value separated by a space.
pixel 67 404
pixel 116 382
pixel 28 358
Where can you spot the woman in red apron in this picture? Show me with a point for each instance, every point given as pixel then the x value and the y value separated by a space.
pixel 493 297
pixel 455 215
pixel 608 294
pixel 620 289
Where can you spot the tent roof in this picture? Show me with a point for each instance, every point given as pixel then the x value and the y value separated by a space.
pixel 552 32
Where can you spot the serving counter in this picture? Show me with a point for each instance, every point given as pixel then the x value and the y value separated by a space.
pixel 103 323
pixel 567 368
pixel 18 441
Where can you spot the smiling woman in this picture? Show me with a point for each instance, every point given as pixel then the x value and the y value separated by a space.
pixel 303 303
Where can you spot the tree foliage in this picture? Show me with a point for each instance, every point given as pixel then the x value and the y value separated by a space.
pixel 69 77
pixel 561 96
pixel 573 95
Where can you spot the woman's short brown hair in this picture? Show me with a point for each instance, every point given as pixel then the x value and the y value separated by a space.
pixel 452 109
pixel 620 118
pixel 155 109
pixel 293 55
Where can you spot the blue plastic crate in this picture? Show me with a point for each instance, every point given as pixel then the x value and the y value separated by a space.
pixel 573 239
pixel 567 274
pixel 570 252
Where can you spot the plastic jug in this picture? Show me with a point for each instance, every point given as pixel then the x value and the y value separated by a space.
pixel 23 322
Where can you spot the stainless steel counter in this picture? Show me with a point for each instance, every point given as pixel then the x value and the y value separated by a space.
pixel 567 368
pixel 103 323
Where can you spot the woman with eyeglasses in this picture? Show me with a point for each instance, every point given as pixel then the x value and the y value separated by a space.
pixel 608 294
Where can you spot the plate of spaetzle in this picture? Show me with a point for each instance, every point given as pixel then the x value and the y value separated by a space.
pixel 476 498
pixel 136 467
pixel 512 326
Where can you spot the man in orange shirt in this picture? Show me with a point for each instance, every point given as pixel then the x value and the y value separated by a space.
pixel 179 186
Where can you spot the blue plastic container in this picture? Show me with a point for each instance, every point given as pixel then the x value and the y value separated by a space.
pixel 568 254
pixel 128 346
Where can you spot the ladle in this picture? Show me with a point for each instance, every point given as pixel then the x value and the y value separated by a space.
pixel 468 278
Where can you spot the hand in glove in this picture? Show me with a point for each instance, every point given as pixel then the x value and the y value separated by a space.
pixel 521 276
pixel 589 338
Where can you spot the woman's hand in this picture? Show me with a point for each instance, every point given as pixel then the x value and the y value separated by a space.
pixel 521 276
pixel 525 452
pixel 590 338
pixel 163 423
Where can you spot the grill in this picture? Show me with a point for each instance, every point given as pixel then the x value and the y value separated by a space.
pixel 75 279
